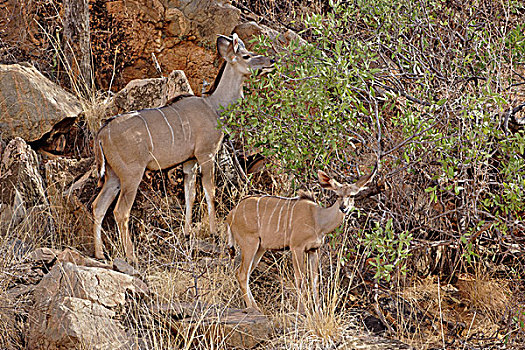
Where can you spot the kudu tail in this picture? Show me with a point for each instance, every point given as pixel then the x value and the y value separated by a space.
pixel 100 161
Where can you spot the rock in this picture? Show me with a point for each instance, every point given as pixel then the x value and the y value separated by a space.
pixel 74 257
pixel 370 342
pixel 104 286
pixel 241 329
pixel 31 104
pixel 208 18
pixel 74 323
pixel 251 30
pixel 68 179
pixel 180 33
pixel 75 306
pixel 149 93
pixel 22 195
pixel 123 266
pixel 44 255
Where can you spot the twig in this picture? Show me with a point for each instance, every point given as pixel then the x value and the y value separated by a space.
pixel 404 94
pixel 409 139
pixel 114 69
pixel 236 161
pixel 378 309
pixel 470 327
pixel 441 313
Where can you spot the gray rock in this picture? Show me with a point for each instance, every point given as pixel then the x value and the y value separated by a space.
pixel 203 19
pixel 23 197
pixel 240 329
pixel 149 93
pixel 75 307
pixel 30 104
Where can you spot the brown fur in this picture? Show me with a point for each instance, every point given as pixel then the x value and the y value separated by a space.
pixel 261 223
pixel 183 132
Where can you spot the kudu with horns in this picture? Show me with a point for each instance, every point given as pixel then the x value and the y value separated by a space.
pixel 184 131
pixel 261 223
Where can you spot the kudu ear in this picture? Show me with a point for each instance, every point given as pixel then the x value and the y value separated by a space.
pixel 223 44
pixel 327 182
pixel 235 42
pixel 366 179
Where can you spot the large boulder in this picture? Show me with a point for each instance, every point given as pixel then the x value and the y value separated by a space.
pixel 22 188
pixel 74 323
pixel 75 306
pixel 30 104
pixel 149 93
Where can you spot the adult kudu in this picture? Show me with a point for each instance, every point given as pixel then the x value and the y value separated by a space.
pixel 185 131
pixel 261 223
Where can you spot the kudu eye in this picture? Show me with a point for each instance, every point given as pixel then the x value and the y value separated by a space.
pixel 245 57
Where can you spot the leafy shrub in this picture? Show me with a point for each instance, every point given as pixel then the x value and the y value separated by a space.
pixel 421 83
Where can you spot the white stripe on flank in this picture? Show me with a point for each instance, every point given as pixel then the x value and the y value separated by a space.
pixel 265 206
pixel 109 132
pixel 169 126
pixel 147 129
pixel 291 216
pixel 258 216
pixel 188 125
pixel 180 119
pixel 273 212
pixel 244 215
pixel 279 222
pixel 257 211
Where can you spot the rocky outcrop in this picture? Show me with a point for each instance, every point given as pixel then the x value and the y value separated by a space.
pixel 180 33
pixel 149 93
pixel 30 104
pixel 75 306
pixel 22 189
pixel 203 19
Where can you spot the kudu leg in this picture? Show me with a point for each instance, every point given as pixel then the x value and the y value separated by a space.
pixel 189 169
pixel 122 210
pixel 313 265
pixel 208 183
pixel 100 206
pixel 249 251
pixel 257 258
pixel 299 272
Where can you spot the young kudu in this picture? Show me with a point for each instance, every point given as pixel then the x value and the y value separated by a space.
pixel 184 131
pixel 262 223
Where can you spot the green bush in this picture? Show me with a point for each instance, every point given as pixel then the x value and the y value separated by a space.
pixel 421 83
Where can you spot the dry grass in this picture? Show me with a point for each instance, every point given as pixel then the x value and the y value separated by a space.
pixel 475 304
pixel 177 272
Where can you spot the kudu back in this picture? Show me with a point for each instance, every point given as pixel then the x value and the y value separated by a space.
pixel 261 223
pixel 184 131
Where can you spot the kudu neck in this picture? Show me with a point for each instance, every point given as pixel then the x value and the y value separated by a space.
pixel 229 89
pixel 330 218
